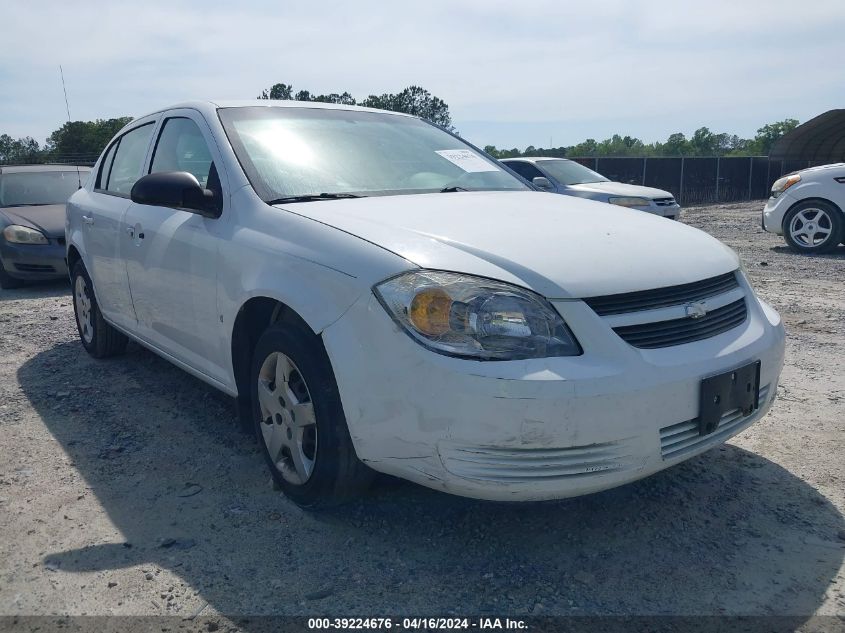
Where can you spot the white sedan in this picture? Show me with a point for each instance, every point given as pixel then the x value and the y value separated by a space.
pixel 567 177
pixel 379 295
pixel 807 209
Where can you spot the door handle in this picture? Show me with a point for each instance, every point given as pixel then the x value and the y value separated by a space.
pixel 87 219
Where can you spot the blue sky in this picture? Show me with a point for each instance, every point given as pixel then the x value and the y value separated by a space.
pixel 513 74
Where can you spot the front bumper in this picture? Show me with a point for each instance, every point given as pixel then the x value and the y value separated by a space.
pixel 542 428
pixel 774 212
pixel 672 211
pixel 34 262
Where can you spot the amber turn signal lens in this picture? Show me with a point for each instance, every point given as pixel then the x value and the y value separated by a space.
pixel 429 311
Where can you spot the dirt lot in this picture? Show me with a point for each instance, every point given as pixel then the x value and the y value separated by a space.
pixel 127 488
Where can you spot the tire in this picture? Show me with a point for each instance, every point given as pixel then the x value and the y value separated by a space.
pixel 813 226
pixel 7 282
pixel 303 418
pixel 98 338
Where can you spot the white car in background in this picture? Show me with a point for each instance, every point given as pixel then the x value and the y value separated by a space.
pixel 570 178
pixel 378 293
pixel 806 208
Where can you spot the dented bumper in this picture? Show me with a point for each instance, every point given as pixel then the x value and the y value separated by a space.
pixel 541 428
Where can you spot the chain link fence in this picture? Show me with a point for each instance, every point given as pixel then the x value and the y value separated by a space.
pixel 83 160
pixel 698 180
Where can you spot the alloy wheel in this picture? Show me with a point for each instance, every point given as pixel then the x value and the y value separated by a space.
pixel 288 423
pixel 82 301
pixel 811 227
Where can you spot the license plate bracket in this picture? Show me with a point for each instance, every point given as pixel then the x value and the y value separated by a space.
pixel 720 394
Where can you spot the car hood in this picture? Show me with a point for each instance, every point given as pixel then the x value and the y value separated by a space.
pixel 835 167
pixel 48 218
pixel 559 246
pixel 620 189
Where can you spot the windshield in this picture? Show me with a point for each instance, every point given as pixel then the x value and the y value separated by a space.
pixel 568 172
pixel 37 188
pixel 290 152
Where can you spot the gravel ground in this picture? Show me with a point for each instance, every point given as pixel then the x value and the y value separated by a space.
pixel 127 488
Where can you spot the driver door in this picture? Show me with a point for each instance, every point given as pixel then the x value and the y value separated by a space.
pixel 172 255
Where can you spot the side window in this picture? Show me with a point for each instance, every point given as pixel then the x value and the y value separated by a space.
pixel 105 167
pixel 128 160
pixel 526 170
pixel 181 147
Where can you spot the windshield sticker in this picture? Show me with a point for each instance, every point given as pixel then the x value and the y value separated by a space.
pixel 467 160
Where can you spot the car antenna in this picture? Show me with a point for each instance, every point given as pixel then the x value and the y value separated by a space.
pixel 67 107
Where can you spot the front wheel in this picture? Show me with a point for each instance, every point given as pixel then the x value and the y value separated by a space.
pixel 299 419
pixel 98 337
pixel 813 227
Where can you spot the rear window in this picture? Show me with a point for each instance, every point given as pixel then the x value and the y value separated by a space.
pixel 38 187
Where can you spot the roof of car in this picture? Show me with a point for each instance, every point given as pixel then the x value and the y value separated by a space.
pixel 534 159
pixel 16 169
pixel 208 107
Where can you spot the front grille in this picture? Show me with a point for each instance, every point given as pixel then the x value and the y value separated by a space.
pixel 683 438
pixel 34 268
pixel 662 297
pixel 686 330
pixel 531 464
pixel 664 202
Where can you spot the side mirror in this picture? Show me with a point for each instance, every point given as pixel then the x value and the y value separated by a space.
pixel 543 183
pixel 176 190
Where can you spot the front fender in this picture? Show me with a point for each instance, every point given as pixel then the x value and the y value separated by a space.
pixel 318 294
pixel 814 190
pixel 316 270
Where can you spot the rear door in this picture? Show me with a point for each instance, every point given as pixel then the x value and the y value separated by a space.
pixel 171 255
pixel 121 166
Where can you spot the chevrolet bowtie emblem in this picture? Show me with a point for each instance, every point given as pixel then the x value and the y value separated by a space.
pixel 696 310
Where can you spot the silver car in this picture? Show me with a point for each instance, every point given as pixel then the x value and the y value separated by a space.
pixel 561 175
pixel 808 208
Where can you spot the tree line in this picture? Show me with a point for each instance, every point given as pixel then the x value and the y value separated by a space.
pixel 413 100
pixel 75 141
pixel 84 140
pixel 703 142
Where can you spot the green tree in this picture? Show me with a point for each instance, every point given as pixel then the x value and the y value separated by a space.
pixel 412 100
pixel 278 91
pixel 769 134
pixel 703 142
pixel 78 139
pixel 22 150
pixel 585 148
pixel 675 145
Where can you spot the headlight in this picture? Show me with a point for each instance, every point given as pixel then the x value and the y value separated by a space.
pixel 473 317
pixel 782 184
pixel 630 202
pixel 23 235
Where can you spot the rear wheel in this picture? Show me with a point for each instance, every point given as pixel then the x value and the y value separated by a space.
pixel 299 419
pixel 98 337
pixel 813 227
pixel 7 282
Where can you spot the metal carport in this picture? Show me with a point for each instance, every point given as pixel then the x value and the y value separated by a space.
pixel 820 140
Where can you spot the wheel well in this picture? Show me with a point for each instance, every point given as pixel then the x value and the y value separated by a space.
pixel 253 318
pixel 816 199
pixel 73 256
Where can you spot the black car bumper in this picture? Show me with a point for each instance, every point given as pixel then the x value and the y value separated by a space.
pixel 34 261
